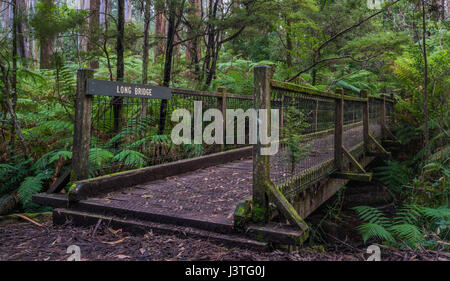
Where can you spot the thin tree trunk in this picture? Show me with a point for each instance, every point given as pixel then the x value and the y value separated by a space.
pixel 94 21
pixel 425 84
pixel 173 23
pixel 47 43
pixel 117 101
pixel 145 52
pixel 160 30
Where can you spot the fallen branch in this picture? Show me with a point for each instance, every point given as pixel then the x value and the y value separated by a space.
pixel 28 219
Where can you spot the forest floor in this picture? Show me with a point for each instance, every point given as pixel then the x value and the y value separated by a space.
pixel 340 241
pixel 29 242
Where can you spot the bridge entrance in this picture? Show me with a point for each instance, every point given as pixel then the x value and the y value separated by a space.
pixel 126 174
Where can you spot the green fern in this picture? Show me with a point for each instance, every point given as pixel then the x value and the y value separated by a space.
pixel 131 158
pixel 372 215
pixel 373 230
pixel 394 175
pixel 408 233
pixel 30 186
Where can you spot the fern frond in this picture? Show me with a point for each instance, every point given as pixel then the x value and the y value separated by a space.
pixel 373 230
pixel 372 215
pixel 409 233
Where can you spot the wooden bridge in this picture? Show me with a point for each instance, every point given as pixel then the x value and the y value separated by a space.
pixel 231 193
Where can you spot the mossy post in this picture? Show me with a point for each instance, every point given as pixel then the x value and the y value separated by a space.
pixel 261 165
pixel 383 117
pixel 364 94
pixel 338 130
pixel 222 106
pixel 82 126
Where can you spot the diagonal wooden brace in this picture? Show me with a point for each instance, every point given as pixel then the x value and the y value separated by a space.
pixel 285 207
pixel 388 132
pixel 378 145
pixel 353 160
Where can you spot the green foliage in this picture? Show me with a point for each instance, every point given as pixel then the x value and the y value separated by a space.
pixel 412 225
pixel 30 186
pixel 131 158
pixel 394 174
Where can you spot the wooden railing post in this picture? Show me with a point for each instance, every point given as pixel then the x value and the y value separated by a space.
pixel 315 115
pixel 383 117
pixel 364 94
pixel 338 130
pixel 82 127
pixel 261 164
pixel 222 106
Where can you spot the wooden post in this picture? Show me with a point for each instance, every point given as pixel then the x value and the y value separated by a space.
pixel 338 130
pixel 316 113
pixel 82 127
pixel 222 106
pixel 261 164
pixel 365 120
pixel 282 114
pixel 392 103
pixel 383 117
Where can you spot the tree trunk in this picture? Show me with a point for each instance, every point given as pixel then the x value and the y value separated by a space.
pixel 117 101
pixel 160 30
pixel 94 21
pixel 288 44
pixel 172 26
pixel 425 84
pixel 147 4
pixel 47 43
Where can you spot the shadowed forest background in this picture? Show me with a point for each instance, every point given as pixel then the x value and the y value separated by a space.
pixel 400 49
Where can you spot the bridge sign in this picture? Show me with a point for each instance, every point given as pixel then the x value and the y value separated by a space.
pixel 122 89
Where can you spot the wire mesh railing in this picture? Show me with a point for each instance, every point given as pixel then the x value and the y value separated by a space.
pixel 307 133
pixel 306 138
pixel 124 132
pixel 374 117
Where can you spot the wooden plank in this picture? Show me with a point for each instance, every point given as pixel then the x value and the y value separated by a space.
pixel 276 234
pixel 123 89
pixel 62 181
pixel 353 160
pixel 285 207
pixel 82 126
pixel 101 185
pixel 352 176
pixel 60 216
pixel 339 130
pixel 310 91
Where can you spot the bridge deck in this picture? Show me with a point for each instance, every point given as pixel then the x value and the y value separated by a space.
pixel 211 194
